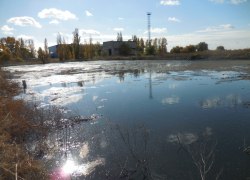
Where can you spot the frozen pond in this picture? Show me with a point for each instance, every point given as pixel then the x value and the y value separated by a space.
pixel 175 107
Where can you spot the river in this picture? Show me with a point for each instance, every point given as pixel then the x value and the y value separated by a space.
pixel 152 119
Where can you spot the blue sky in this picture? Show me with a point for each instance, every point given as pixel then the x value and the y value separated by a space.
pixel 182 22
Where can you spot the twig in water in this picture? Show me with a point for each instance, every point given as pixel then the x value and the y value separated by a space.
pixel 180 145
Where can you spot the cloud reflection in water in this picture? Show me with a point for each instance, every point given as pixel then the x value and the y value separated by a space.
pixel 172 100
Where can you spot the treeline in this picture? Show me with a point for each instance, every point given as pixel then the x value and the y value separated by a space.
pixel 12 49
pixel 76 50
pixel 202 46
pixel 156 46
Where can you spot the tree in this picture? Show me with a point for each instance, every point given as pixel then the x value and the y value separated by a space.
pixel 24 52
pixel 162 45
pixel 10 44
pixel 89 49
pixel 81 51
pixel 176 49
pixel 134 38
pixel 10 49
pixel 46 51
pixel 59 47
pixel 221 48
pixel 103 53
pixel 5 53
pixel 43 55
pixel 31 48
pixel 150 50
pixel 125 49
pixel 76 43
pixel 202 46
pixel 65 50
pixel 189 49
pixel 46 46
pixel 70 52
pixel 155 44
pixel 142 46
pixel 97 49
pixel 119 36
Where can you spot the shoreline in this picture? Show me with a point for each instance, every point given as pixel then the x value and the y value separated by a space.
pixel 119 58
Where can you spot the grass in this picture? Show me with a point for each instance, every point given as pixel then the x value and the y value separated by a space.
pixel 18 124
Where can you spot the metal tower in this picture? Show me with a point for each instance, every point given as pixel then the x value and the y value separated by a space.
pixel 149 41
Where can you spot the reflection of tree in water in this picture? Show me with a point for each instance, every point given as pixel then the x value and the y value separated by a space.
pixel 80 83
pixel 150 86
pixel 121 73
pixel 134 157
pixel 203 155
pixel 63 84
pixel 121 76
pixel 93 79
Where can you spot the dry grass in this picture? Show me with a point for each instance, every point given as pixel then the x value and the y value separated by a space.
pixel 211 54
pixel 17 124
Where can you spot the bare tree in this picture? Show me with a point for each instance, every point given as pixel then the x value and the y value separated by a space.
pixel 119 36
pixel 59 47
pixel 31 47
pixel 76 43
pixel 203 157
pixel 131 146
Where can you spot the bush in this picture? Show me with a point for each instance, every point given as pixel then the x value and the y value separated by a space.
pixel 221 48
pixel 103 53
pixel 150 50
pixel 125 49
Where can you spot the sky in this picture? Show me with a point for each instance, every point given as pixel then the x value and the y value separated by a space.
pixel 182 22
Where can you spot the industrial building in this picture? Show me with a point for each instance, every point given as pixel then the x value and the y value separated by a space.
pixel 52 51
pixel 113 47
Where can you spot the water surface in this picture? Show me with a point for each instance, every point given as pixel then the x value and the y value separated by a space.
pixel 173 105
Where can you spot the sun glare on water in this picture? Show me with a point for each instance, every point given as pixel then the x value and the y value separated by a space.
pixel 69 167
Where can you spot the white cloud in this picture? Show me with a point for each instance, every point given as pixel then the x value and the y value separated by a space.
pixel 157 30
pixel 218 1
pixel 229 39
pixel 219 28
pixel 173 19
pixel 227 26
pixel 209 29
pixel 121 19
pixel 229 1
pixel 69 100
pixel 170 3
pixel 237 1
pixel 186 138
pixel 88 13
pixel 95 97
pixel 24 21
pixel 55 13
pixel 90 32
pixel 55 34
pixel 172 86
pixel 118 29
pixel 7 30
pixel 54 22
pixel 25 37
pixel 139 30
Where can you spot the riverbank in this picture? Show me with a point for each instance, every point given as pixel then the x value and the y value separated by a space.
pixel 205 55
pixel 19 127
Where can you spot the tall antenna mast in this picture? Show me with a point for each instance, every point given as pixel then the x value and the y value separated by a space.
pixel 149 13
